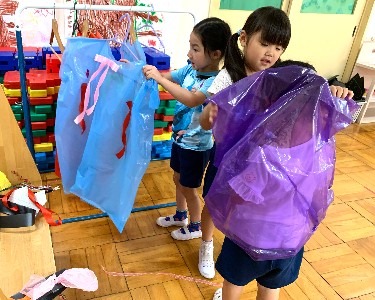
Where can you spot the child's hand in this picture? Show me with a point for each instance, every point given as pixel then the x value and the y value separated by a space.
pixel 208 116
pixel 213 113
pixel 181 133
pixel 151 72
pixel 341 92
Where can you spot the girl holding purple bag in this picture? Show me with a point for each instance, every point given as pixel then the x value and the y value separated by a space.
pixel 264 37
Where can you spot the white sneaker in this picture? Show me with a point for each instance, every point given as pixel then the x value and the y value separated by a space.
pixel 206 264
pixel 218 294
pixel 183 234
pixel 169 221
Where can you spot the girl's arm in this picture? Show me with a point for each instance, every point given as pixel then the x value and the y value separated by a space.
pixel 188 98
pixel 208 116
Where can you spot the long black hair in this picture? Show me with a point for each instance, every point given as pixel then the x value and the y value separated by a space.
pixel 214 34
pixel 275 28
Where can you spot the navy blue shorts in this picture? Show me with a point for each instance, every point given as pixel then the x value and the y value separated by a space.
pixel 210 173
pixel 190 164
pixel 237 267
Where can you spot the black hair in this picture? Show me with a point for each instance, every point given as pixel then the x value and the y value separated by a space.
pixel 214 34
pixel 290 62
pixel 275 28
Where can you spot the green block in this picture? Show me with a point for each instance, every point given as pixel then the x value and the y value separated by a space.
pixel 36 133
pixel 171 103
pixel 18 117
pixel 42 109
pixel 163 103
pixel 17 109
pixel 51 115
pixel 160 124
pixel 159 110
pixel 50 128
pixel 168 111
pixel 38 118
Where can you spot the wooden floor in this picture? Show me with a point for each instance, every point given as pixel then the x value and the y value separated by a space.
pixel 339 262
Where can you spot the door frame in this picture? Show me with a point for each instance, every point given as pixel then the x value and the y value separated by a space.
pixel 357 42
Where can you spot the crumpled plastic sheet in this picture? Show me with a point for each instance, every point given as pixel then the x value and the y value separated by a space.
pixel 78 278
pixel 275 153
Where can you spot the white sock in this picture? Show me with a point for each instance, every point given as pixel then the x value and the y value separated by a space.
pixel 207 243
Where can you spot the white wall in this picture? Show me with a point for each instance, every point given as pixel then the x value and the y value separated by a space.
pixel 370 28
pixel 176 28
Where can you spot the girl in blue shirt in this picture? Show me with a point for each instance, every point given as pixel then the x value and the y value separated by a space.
pixel 191 143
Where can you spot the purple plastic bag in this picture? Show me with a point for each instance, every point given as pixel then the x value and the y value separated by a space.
pixel 275 153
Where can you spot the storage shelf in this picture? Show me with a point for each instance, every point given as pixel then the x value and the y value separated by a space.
pixel 366 69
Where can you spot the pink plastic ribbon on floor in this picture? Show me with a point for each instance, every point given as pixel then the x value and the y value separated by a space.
pixel 104 62
pixel 77 278
pixel 172 275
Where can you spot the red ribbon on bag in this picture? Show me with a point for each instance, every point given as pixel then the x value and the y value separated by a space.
pixel 81 105
pixel 47 213
pixel 124 127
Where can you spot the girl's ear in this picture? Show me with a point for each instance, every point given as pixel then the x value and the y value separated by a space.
pixel 242 38
pixel 215 54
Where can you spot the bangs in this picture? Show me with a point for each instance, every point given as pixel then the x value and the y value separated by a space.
pixel 276 35
pixel 273 24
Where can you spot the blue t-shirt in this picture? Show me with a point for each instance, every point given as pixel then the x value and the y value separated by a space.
pixel 186 118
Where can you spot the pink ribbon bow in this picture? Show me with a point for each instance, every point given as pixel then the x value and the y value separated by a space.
pixel 104 62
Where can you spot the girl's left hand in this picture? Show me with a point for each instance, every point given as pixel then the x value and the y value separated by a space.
pixel 341 92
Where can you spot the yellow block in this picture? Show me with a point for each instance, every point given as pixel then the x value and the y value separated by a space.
pixel 166 136
pixel 43 147
pixel 37 93
pixel 50 90
pixel 4 182
pixel 57 88
pixel 160 88
pixel 12 93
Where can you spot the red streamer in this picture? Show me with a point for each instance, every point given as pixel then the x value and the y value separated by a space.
pixel 124 127
pixel 47 213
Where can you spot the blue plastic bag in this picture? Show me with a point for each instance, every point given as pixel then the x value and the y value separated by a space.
pixel 105 178
pixel 104 125
pixel 77 66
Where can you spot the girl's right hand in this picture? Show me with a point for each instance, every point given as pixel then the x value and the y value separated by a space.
pixel 213 113
pixel 341 92
pixel 151 72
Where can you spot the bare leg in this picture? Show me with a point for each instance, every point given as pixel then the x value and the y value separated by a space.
pixel 180 198
pixel 267 294
pixel 193 203
pixel 207 225
pixel 231 291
